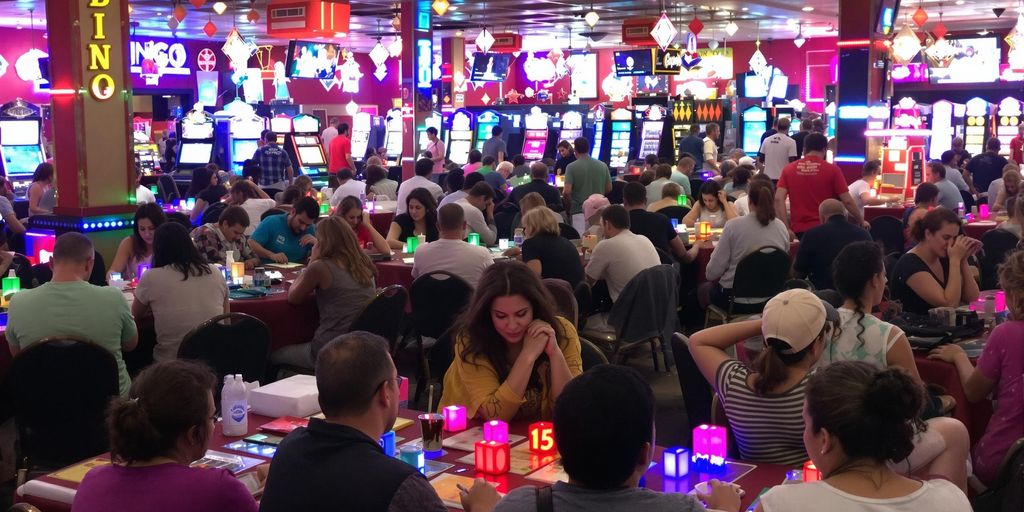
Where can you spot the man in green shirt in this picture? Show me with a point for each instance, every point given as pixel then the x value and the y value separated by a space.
pixel 69 306
pixel 584 177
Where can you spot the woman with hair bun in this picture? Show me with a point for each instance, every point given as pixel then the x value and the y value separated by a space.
pixel 857 422
pixel 155 433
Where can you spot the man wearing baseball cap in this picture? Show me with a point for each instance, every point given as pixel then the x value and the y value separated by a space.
pixel 764 400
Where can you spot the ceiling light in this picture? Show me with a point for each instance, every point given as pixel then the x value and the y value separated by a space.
pixel 253 16
pixel 745 9
pixel 459 33
pixel 983 32
pixel 453 8
pixel 352 108
pixel 731 28
pixel 808 9
pixel 592 18
pixel 440 6
pixel 664 31
pixel 960 2
pixel 220 7
pixel 799 41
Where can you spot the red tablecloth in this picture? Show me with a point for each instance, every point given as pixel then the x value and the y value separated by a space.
pixel 973 415
pixel 978 229
pixel 704 257
pixel 763 475
pixel 394 272
pixel 382 221
pixel 874 212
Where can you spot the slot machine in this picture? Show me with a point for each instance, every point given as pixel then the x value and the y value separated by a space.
pixel 680 129
pixel 595 121
pixel 943 125
pixel 21 143
pixel 245 138
pixel 196 129
pixel 1005 118
pixel 365 135
pixel 651 129
pixel 460 135
pixel 536 138
pixel 976 131
pixel 485 122
pixel 572 126
pixel 393 137
pixel 147 154
pixel 620 138
pixel 435 121
pixel 753 122
pixel 306 149
pixel 281 125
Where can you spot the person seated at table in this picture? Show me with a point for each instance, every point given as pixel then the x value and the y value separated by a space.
pixel 487 165
pixel 424 168
pixel 1009 190
pixel 998 184
pixel 592 208
pixel 513 355
pixel 41 199
pixel 861 190
pixel 474 158
pixel 646 178
pixel 468 182
pixel 479 206
pixel 420 218
pixel 450 252
pixel 286 199
pixel 156 432
pixel 713 207
pixel 527 203
pixel 519 167
pixel 998 374
pixel 378 185
pixel 304 184
pixel 181 291
pixel 215 239
pixel 68 305
pixel 347 186
pixel 742 205
pixel 332 185
pixel 251 171
pixel 539 184
pixel 858 421
pixel 498 179
pixel 1015 216
pixel 821 244
pixel 137 249
pixel 949 195
pixel 453 181
pixel 935 273
pixel 253 200
pixel 546 252
pixel 289 237
pixel 682 173
pixel 337 462
pixel 621 254
pixel 351 209
pixel 344 280
pixel 926 198
pixel 741 237
pixel 206 189
pixel 669 197
pixel 951 160
pixel 662 177
pixel 604 430
pixel 763 400
pixel 739 181
pixel 654 226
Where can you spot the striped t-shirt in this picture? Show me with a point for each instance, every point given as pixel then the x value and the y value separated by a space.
pixel 767 428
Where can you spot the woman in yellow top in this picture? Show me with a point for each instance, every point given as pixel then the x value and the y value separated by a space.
pixel 513 356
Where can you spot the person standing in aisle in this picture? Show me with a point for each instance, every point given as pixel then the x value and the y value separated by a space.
pixel 777 151
pixel 329 134
pixel 584 177
pixel 275 164
pixel 436 149
pixel 341 152
pixel 495 146
pixel 710 148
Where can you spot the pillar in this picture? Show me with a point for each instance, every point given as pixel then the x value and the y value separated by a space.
pixel 453 72
pixel 860 83
pixel 417 76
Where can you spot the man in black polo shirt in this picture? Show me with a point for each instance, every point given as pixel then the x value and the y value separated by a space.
pixel 655 226
pixel 539 173
pixel 987 166
pixel 336 463
pixel 821 244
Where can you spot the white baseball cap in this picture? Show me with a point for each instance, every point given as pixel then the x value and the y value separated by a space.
pixel 796 317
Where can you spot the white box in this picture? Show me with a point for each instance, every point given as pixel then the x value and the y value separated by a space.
pixel 295 396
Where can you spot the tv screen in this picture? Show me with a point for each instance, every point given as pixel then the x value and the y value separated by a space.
pixel 311 155
pixel 243 149
pixel 21 160
pixel 754 86
pixel 16 133
pixel 308 59
pixel 977 61
pixel 490 67
pixel 195 153
pixel 887 16
pixel 633 63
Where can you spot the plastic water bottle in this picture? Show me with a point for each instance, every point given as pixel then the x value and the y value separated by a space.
pixel 518 238
pixel 960 209
pixel 362 198
pixel 234 405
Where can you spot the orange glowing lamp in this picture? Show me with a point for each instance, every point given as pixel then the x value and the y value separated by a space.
pixel 704 230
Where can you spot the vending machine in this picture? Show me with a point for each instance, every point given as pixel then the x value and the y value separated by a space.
pixel 306 149
pixel 196 129
pixel 572 126
pixel 651 127
pixel 976 131
pixel 460 135
pixel 621 138
pixel 21 143
pixel 1006 117
pixel 536 138
pixel 393 137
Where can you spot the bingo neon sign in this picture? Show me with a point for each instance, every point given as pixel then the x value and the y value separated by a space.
pixel 170 59
pixel 101 85
pixel 424 63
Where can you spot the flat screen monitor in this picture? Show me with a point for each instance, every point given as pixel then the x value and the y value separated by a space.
pixel 23 132
pixel 21 160
pixel 311 155
pixel 243 149
pixel 977 62
pixel 490 67
pixel 887 12
pixel 308 59
pixel 195 153
pixel 305 124
pixel 755 87
pixel 281 124
pixel 633 63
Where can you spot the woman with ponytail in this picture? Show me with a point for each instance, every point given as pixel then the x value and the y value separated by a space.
pixel 858 421
pixel 763 400
pixel 155 433
pixel 742 236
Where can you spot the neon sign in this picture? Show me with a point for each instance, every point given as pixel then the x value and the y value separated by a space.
pixel 101 85
pixel 424 63
pixel 170 59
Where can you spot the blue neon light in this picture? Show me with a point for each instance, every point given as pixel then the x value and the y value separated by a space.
pixel 424 63
pixel 850 159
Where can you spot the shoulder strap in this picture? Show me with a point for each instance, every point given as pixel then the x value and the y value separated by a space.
pixel 545 499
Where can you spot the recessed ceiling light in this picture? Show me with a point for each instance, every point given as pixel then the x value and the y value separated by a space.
pixel 745 9
pixel 453 8
pixel 959 2
pixel 808 9
pixel 560 26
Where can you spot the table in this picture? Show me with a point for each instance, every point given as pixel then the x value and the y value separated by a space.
pixel 763 475
pixel 394 271
pixel 978 228
pixel 874 212
pixel 974 416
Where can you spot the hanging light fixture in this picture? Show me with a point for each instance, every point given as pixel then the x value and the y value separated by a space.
pixel 484 40
pixel 664 31
pixel 905 45
pixel 799 41
pixel 179 12
pixel 172 23
pixel 395 48
pixel 591 18
pixel 440 6
pixel 219 8
pixel 920 17
pixel 731 28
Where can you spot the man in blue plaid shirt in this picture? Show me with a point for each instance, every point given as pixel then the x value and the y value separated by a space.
pixel 274 162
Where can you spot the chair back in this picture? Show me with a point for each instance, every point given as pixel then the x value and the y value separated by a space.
pixel 271 212
pixel 99 270
pixel 565 300
pixel 615 195
pixel 567 231
pixel 761 274
pixel 1006 493
pixel 230 343
pixel 968 200
pixel 666 258
pixel 584 303
pixel 438 298
pixel 61 387
pixel 503 223
pixel 384 314
pixel 167 188
pixel 995 245
pixel 591 355
pixel 180 218
pixel 674 212
pixel 22 268
pixel 887 231
pixel 272 192
pixel 212 213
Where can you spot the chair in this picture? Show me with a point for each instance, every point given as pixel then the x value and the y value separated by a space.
pixel 565 300
pixel 384 314
pixel 759 276
pixel 696 392
pixel 230 343
pixel 167 188
pixel 212 213
pixel 996 244
pixel 180 218
pixel 567 231
pixel 437 298
pixel 584 303
pixel 22 507
pixel 503 223
pixel 794 284
pixel 674 212
pixel 395 173
pixel 968 199
pixel 60 388
pixel 615 195
pixel 99 270
pixel 591 355
pixel 271 212
pixel 1006 492
pixel 888 232
pixel 22 268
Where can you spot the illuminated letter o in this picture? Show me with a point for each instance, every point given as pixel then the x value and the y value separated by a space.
pixel 102 86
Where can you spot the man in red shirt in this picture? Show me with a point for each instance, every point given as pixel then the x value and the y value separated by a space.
pixel 1017 146
pixel 341 152
pixel 813 180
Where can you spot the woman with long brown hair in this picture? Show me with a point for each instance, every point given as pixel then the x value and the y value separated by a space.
pixel 138 248
pixel 351 209
pixel 343 278
pixel 513 355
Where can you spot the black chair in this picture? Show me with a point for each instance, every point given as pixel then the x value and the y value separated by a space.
pixel 968 200
pixel 888 232
pixel 615 195
pixel 696 391
pixel 60 388
pixel 167 188
pixel 384 314
pixel 695 185
pixel 395 173
pixel 438 298
pixel 230 343
pixel 584 303
pixel 565 300
pixel 42 273
pixel 759 276
pixel 996 244
pixel 666 258
pixel 591 355
pixel 1006 492
pixel 503 222
pixel 180 218
pixel 567 231
pixel 212 213
pixel 272 192
pixel 675 212
pixel 22 268
pixel 271 212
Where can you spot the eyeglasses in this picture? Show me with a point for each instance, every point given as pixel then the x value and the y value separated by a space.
pixel 397 380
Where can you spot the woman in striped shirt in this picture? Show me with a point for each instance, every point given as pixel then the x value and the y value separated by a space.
pixel 764 401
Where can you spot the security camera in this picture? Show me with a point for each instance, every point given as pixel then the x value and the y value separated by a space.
pixel 998 11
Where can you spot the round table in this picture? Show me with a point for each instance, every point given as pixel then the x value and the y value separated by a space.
pixel 874 212
pixel 978 228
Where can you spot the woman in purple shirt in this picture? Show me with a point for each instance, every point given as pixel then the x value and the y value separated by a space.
pixel 155 433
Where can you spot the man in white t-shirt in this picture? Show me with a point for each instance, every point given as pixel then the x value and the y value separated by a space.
pixel 329 134
pixel 450 252
pixel 479 209
pixel 861 190
pixel 424 167
pixel 777 151
pixel 347 186
pixel 621 255
pixel 711 148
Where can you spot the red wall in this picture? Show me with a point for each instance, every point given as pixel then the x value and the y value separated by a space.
pixel 14 43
